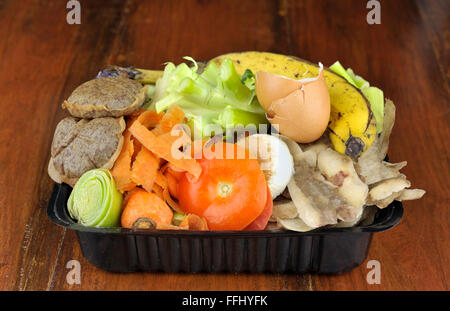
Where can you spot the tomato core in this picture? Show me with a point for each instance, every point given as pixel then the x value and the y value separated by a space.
pixel 224 189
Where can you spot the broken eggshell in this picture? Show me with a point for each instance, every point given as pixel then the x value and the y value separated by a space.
pixel 274 158
pixel 299 109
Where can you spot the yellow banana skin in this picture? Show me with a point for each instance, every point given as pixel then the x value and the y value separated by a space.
pixel 352 126
pixel 347 134
pixel 146 76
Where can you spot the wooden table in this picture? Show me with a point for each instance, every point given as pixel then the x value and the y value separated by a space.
pixel 42 59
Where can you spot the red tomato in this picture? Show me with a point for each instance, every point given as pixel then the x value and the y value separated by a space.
pixel 230 192
pixel 261 221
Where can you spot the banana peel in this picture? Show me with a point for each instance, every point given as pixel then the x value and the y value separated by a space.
pixel 352 126
pixel 146 76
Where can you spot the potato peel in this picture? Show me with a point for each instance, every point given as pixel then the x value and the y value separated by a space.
pixel 284 210
pixel 295 224
pixel 379 183
pixel 411 194
pixel 339 169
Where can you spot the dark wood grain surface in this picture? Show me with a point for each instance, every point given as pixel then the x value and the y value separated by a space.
pixel 42 59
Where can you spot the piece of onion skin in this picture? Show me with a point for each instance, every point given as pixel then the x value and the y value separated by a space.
pixel 95 201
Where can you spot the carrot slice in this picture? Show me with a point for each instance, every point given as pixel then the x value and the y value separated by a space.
pixel 174 116
pixel 171 227
pixel 161 180
pixel 163 148
pixel 133 117
pixel 191 222
pixel 137 147
pixel 163 184
pixel 122 166
pixel 145 169
pixel 173 170
pixel 179 140
pixel 172 183
pixel 142 204
pixel 128 194
pixel 158 190
pixel 194 222
pixel 171 202
pixel 149 118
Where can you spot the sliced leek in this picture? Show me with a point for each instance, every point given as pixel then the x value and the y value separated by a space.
pixel 95 201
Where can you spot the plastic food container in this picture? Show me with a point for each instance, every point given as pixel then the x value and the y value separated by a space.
pixel 324 250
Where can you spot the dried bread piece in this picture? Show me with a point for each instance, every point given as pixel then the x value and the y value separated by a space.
pixel 106 97
pixel 82 145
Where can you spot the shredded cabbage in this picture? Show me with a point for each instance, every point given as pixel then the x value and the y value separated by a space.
pixel 216 96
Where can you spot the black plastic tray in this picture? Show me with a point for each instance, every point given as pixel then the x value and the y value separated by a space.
pixel 324 250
